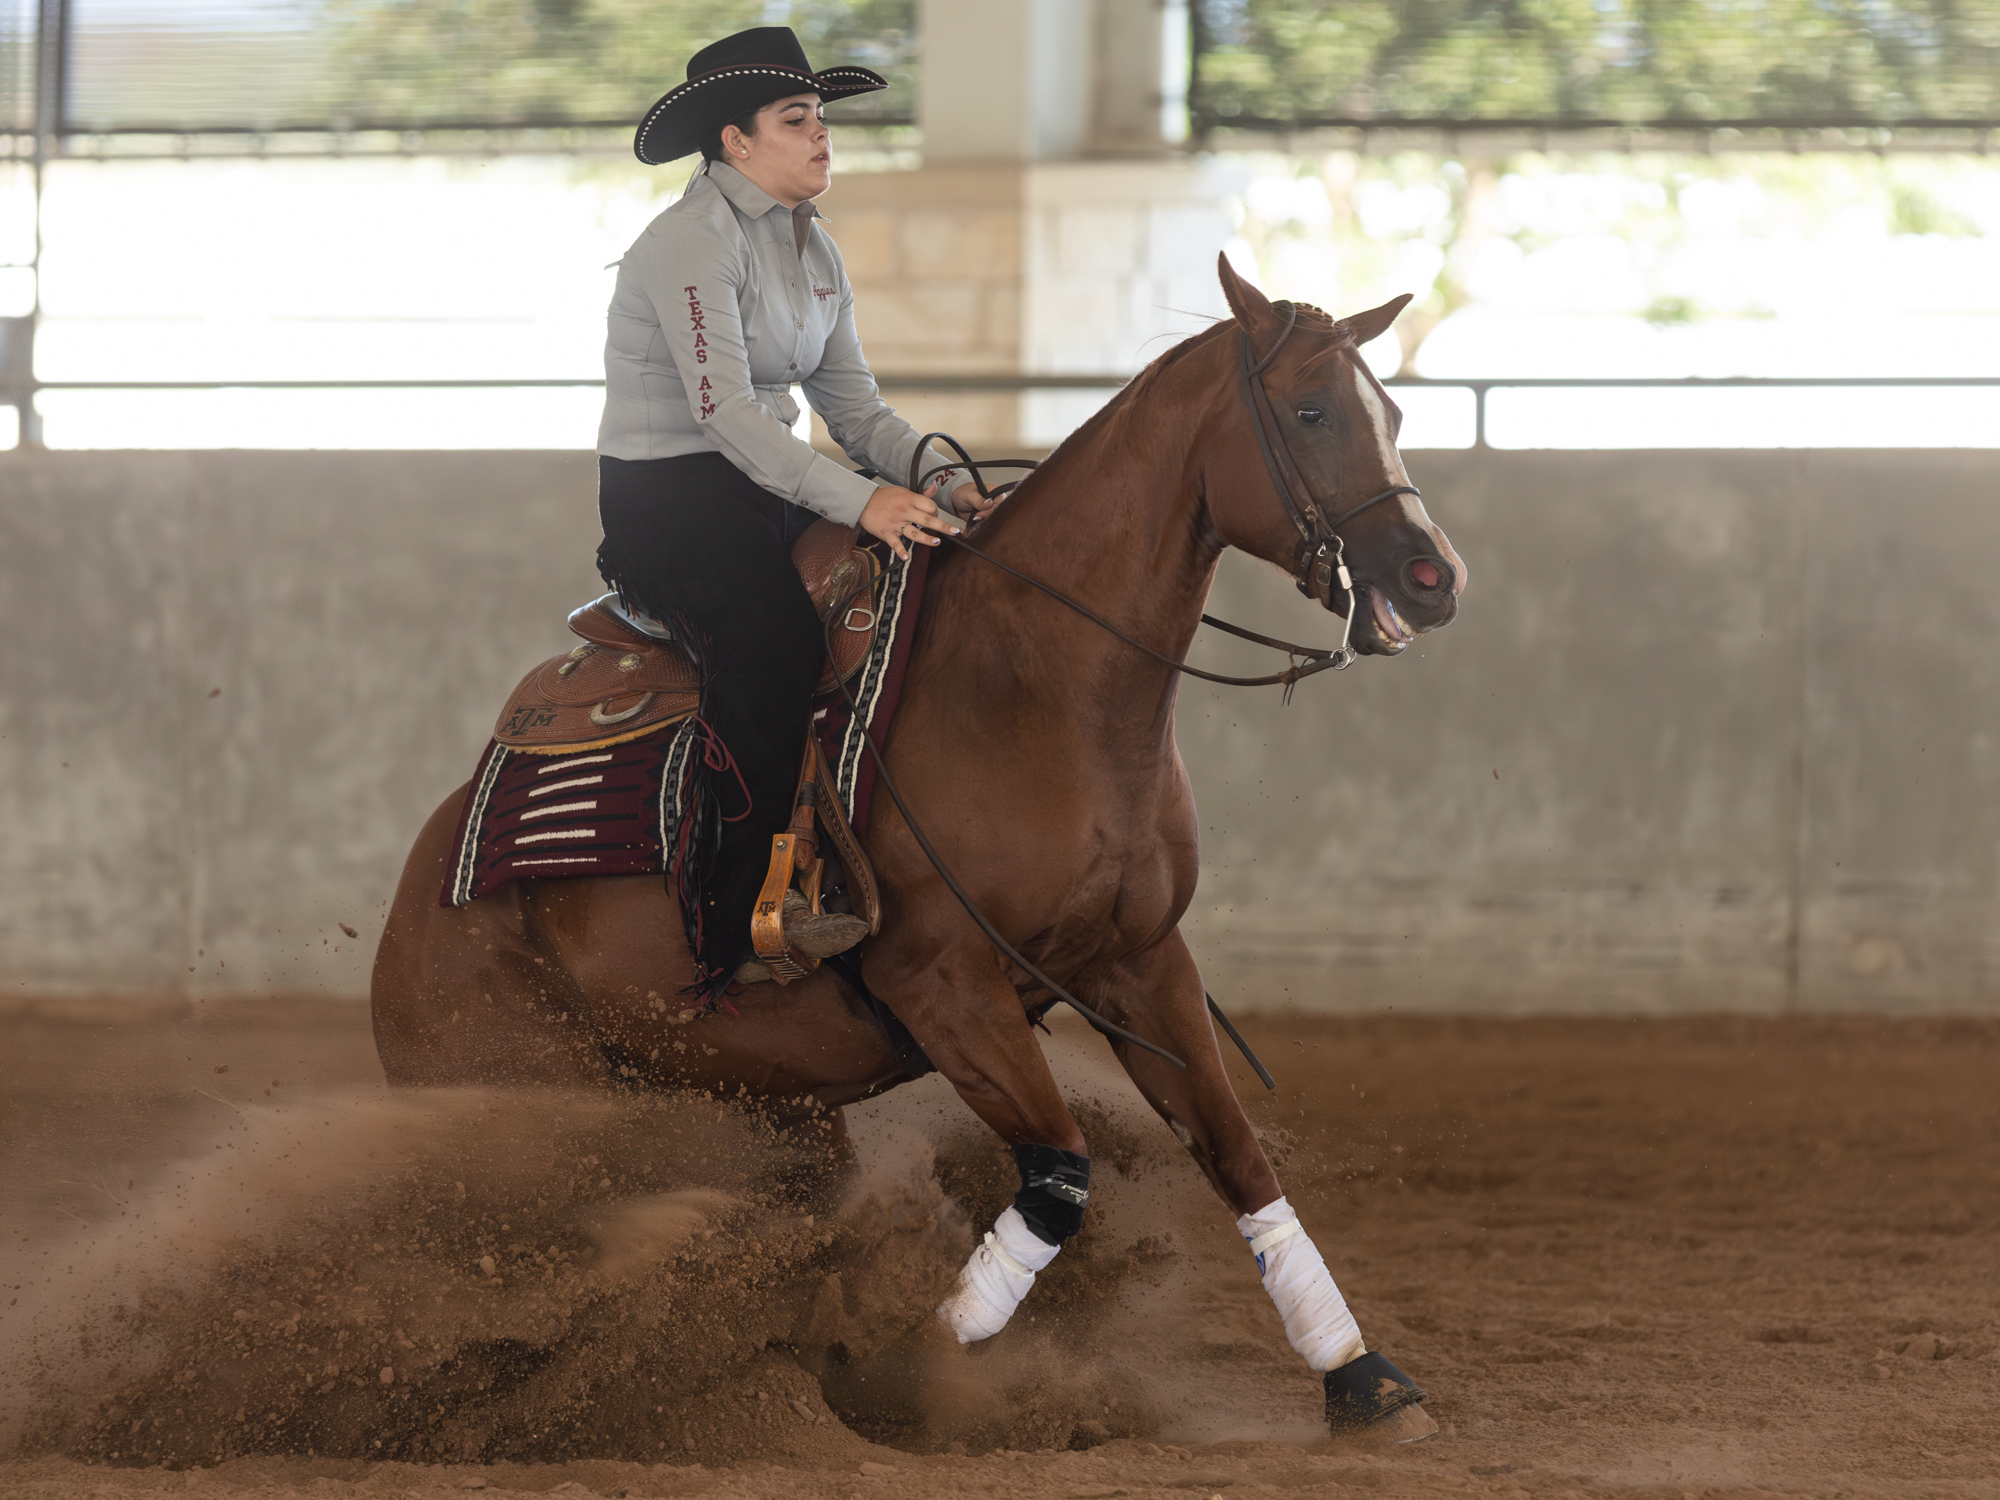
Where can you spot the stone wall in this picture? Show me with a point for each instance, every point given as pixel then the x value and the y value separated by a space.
pixel 1053 267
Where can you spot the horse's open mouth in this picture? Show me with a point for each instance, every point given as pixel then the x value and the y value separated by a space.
pixel 1392 636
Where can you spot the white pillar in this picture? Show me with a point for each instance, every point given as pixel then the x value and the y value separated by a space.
pixel 1057 223
pixel 1005 80
pixel 1051 80
pixel 1141 70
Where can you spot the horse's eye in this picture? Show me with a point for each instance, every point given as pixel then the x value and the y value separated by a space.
pixel 1313 416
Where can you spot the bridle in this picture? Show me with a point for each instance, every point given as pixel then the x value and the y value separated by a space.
pixel 1318 565
pixel 1320 560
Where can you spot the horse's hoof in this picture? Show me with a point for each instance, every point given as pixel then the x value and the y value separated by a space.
pixel 1406 1424
pixel 1368 1394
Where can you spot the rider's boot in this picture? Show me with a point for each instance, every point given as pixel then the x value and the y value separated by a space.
pixel 787 928
pixel 820 934
pixel 815 934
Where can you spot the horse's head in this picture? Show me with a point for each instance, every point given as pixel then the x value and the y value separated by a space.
pixel 1304 471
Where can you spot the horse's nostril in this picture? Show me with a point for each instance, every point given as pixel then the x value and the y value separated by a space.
pixel 1426 574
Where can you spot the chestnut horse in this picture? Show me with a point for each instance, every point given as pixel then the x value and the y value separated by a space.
pixel 1037 752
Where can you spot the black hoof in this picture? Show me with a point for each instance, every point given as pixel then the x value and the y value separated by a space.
pixel 1364 1391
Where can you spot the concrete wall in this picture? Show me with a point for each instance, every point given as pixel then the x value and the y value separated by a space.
pixel 1714 731
pixel 362 616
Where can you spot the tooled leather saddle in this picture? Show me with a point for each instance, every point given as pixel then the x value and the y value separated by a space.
pixel 625 681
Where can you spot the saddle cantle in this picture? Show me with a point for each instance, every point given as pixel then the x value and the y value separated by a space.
pixel 622 682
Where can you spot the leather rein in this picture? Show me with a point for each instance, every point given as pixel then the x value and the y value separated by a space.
pixel 1319 563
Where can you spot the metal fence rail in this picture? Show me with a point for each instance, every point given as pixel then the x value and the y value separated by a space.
pixel 21 388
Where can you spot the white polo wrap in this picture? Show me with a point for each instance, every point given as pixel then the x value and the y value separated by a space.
pixel 994 1281
pixel 1316 1317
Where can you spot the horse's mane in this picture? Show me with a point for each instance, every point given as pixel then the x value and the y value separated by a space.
pixel 1310 318
pixel 1318 320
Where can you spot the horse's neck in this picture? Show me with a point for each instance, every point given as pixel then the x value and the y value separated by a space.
pixel 1114 520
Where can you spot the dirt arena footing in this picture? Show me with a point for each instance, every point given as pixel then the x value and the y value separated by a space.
pixel 1697 1257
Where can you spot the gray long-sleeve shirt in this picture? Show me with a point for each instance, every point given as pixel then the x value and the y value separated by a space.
pixel 722 305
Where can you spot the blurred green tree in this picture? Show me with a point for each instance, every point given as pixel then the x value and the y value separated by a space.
pixel 1448 228
pixel 527 62
pixel 1624 60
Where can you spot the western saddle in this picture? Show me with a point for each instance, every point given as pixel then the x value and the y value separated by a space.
pixel 631 677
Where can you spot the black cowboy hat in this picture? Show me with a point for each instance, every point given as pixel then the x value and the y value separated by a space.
pixel 730 78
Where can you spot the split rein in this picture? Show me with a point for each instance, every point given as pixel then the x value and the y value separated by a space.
pixel 1315 659
pixel 1321 559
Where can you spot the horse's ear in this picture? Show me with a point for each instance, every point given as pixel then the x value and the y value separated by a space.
pixel 1252 307
pixel 1371 325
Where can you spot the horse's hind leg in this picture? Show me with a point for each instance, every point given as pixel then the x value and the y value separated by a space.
pixel 462 995
pixel 1158 994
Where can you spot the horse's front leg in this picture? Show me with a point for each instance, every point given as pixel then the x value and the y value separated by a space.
pixel 1158 995
pixel 968 1019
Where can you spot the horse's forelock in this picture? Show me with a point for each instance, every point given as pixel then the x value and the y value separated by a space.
pixel 1339 338
pixel 1317 320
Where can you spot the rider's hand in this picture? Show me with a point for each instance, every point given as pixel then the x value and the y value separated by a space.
pixel 899 516
pixel 972 505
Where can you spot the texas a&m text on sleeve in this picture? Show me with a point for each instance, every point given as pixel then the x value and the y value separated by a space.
pixel 723 304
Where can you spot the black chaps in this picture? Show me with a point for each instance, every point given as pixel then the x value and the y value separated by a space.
pixel 695 542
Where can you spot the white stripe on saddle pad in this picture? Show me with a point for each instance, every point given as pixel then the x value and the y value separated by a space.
pixel 557 833
pixel 557 786
pixel 581 760
pixel 579 859
pixel 559 809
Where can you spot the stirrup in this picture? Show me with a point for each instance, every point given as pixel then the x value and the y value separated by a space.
pixel 767 920
pixel 809 937
pixel 789 930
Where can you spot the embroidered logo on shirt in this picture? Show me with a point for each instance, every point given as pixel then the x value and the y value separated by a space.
pixel 822 292
pixel 707 401
pixel 696 324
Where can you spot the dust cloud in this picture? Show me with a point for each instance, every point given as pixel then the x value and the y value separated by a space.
pixel 1711 1256
pixel 476 1276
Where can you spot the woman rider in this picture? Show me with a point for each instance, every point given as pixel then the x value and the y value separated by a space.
pixel 732 296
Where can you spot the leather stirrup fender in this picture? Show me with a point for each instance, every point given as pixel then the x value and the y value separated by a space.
pixel 847 848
